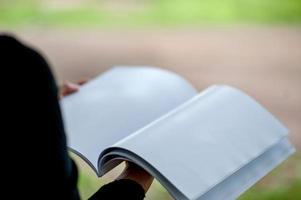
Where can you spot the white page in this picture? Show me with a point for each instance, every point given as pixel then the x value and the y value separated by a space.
pixel 201 143
pixel 228 188
pixel 116 104
pixel 234 185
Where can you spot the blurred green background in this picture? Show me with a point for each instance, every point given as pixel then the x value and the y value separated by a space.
pixel 147 12
pixel 254 44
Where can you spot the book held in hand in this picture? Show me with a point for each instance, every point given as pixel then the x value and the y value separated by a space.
pixel 211 145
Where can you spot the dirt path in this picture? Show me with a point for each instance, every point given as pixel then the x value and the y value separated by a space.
pixel 265 62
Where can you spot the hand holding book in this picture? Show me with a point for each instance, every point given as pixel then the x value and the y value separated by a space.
pixel 131 171
pixel 209 145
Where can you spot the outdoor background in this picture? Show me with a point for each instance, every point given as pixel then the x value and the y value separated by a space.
pixel 254 45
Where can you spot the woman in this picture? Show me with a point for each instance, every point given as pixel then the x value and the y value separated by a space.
pixel 39 166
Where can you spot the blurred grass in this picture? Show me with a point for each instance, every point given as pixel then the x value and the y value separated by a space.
pixel 283 183
pixel 148 12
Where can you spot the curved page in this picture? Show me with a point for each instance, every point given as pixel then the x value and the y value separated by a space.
pixel 118 103
pixel 206 140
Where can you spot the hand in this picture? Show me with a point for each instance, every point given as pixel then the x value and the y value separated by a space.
pixel 69 88
pixel 137 174
pixel 131 171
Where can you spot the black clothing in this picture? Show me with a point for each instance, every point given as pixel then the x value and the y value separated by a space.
pixel 121 189
pixel 36 162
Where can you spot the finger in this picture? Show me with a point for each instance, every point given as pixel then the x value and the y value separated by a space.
pixel 83 81
pixel 69 88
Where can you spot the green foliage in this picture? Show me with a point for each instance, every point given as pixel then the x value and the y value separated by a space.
pixel 286 192
pixel 150 13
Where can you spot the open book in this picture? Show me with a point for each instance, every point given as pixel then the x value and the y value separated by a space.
pixel 211 145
